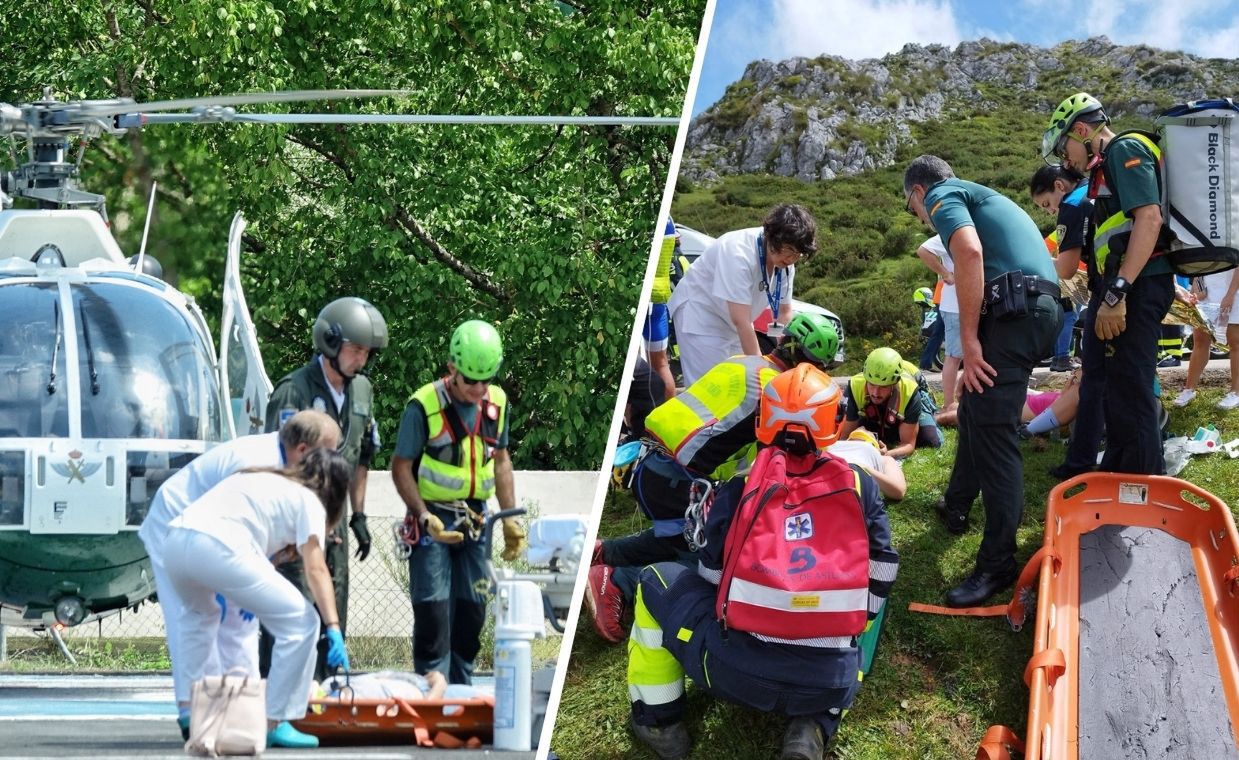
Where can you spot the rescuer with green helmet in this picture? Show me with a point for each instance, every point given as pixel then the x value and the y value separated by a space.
pixel 890 400
pixel 347 332
pixel 451 456
pixel 707 432
pixel 1131 283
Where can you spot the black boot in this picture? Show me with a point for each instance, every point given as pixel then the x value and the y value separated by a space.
pixel 668 742
pixel 978 587
pixel 803 740
pixel 955 523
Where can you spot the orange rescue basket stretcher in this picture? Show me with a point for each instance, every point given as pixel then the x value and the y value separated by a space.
pixel 1077 507
pixel 444 723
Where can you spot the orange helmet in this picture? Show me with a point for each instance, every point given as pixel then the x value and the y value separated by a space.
pixel 798 410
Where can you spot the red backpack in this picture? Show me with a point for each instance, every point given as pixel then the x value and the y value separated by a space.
pixel 796 557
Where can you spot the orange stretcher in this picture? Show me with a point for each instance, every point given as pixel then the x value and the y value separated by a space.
pixel 444 723
pixel 1078 507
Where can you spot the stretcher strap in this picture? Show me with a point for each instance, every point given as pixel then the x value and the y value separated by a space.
pixel 1052 660
pixel 994 745
pixel 1231 576
pixel 420 732
pixel 1014 610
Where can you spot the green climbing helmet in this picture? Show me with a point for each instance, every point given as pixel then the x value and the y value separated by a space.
pixel 349 320
pixel 476 350
pixel 882 366
pixel 1063 117
pixel 923 296
pixel 816 335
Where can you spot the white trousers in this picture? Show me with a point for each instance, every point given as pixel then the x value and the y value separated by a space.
pixel 199 566
pixel 699 353
pixel 236 644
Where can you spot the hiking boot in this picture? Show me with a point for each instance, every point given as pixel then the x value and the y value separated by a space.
pixel 605 604
pixel 1023 432
pixel 284 735
pixel 803 740
pixel 182 722
pixel 955 523
pixel 978 587
pixel 668 742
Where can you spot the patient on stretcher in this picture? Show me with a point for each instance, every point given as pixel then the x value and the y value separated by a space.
pixel 391 684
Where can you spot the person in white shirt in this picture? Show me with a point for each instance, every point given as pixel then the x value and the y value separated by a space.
pixel 237 642
pixel 935 256
pixel 861 448
pixel 732 282
pixel 226 543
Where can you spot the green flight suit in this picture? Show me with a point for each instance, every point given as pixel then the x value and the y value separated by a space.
pixel 306 388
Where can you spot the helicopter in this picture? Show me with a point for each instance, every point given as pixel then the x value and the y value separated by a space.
pixel 110 380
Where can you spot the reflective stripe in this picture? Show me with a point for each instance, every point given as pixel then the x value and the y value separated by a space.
pixel 710 574
pixel 727 394
pixel 824 642
pixel 429 473
pixel 875 604
pixel 655 694
pixel 647 637
pixel 841 600
pixel 654 675
pixel 883 571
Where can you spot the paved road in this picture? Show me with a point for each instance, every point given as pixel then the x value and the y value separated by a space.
pixel 87 716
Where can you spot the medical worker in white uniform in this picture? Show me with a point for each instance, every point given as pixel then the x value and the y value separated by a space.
pixel 237 643
pixel 226 543
pixel 732 282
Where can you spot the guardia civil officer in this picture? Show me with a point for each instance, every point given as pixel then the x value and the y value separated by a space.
pixel 347 333
pixel 1008 318
pixel 451 456
pixel 1131 283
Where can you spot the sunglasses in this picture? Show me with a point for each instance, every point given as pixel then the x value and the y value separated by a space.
pixel 907 204
pixel 471 381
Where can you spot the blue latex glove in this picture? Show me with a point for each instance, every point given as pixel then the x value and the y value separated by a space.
pixel 337 654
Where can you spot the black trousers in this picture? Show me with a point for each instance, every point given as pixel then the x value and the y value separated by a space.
pixel 1090 423
pixel 1129 366
pixel 988 460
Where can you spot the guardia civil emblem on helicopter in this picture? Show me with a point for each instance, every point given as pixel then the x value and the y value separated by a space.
pixel 109 378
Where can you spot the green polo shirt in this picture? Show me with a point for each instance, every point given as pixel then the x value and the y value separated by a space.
pixel 1009 238
pixel 306 388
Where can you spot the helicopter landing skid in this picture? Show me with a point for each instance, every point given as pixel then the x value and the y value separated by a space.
pixel 60 642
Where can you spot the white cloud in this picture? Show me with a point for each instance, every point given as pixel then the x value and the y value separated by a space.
pixel 846 28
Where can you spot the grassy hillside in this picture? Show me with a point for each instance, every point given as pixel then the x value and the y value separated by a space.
pixel 866 267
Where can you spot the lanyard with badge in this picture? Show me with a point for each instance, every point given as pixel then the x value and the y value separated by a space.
pixel 774 296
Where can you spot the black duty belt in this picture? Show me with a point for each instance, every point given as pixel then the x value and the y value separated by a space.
pixel 1039 286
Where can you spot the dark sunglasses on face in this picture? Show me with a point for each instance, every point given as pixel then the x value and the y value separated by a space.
pixel 471 381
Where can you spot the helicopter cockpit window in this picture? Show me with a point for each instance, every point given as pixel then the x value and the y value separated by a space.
pixel 145 372
pixel 34 396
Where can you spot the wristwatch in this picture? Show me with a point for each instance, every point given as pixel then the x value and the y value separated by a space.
pixel 1116 292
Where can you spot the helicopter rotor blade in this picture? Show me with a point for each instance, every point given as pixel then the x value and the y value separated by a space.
pixel 228 115
pixel 97 108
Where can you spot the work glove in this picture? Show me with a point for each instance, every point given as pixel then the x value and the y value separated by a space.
pixel 337 653
pixel 1111 321
pixel 513 539
pixel 358 523
pixel 433 527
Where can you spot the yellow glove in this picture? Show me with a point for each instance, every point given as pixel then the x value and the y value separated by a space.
pixel 1111 321
pixel 433 527
pixel 513 539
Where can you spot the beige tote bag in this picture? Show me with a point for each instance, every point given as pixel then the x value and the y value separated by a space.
pixel 228 715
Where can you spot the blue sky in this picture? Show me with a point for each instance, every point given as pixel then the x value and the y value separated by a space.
pixel 745 30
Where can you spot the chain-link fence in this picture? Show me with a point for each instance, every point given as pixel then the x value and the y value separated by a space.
pixel 380 623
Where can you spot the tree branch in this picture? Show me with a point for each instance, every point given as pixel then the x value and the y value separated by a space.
pixel 559 130
pixel 332 158
pixel 480 280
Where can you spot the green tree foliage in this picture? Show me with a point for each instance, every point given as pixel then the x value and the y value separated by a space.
pixel 544 231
